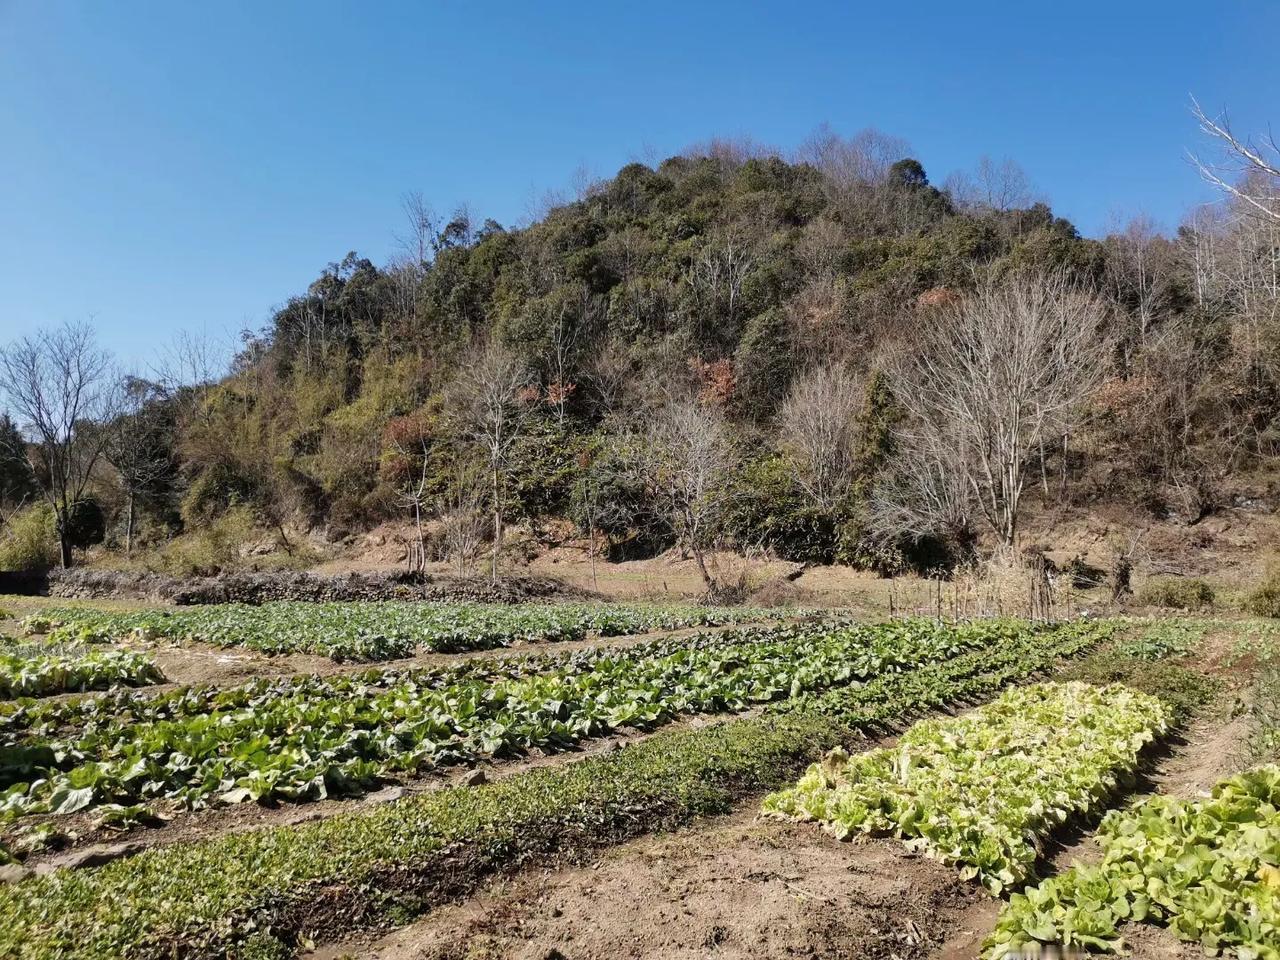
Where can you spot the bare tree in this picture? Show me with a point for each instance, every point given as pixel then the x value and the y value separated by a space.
pixel 461 513
pixel 1138 267
pixel 819 423
pixel 1250 171
pixel 992 187
pixel 419 243
pixel 717 275
pixel 414 491
pixel 861 160
pixel 138 446
pixel 64 391
pixel 490 404
pixel 926 493
pixel 1003 371
pixel 687 460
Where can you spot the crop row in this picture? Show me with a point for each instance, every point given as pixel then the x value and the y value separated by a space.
pixel 1208 868
pixel 31 671
pixel 260 893
pixel 373 631
pixel 982 789
pixel 340 735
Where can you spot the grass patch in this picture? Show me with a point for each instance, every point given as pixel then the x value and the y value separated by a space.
pixel 1264 599
pixel 1177 593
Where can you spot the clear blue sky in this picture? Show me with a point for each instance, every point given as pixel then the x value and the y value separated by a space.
pixel 173 165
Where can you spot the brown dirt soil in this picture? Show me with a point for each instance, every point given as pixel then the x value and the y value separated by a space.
pixel 736 887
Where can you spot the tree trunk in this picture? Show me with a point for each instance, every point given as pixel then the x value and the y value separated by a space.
pixel 497 524
pixel 702 567
pixel 64 539
pixel 128 525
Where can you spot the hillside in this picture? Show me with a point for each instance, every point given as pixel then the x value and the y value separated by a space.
pixel 786 304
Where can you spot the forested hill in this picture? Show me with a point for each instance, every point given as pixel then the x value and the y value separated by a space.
pixel 768 291
pixel 739 270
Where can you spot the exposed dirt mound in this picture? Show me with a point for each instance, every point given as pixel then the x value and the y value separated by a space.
pixel 86 584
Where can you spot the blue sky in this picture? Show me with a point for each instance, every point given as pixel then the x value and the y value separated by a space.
pixel 171 166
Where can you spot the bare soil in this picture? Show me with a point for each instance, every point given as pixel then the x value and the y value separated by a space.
pixel 736 887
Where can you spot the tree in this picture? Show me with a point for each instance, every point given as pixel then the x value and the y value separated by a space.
pixel 17 483
pixel 461 512
pixel 1250 171
pixel 407 464
pixel 490 402
pixel 1000 373
pixel 64 391
pixel 819 423
pixel 765 361
pixel 992 187
pixel 138 445
pixel 1139 268
pixel 687 459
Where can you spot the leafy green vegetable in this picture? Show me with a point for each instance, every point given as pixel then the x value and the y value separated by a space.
pixel 1208 868
pixel 38 672
pixel 372 631
pixel 316 737
pixel 982 789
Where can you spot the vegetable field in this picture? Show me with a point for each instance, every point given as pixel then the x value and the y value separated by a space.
pixel 374 631
pixel 1001 736
pixel 314 737
pixel 37 670
pixel 984 790
pixel 253 894
pixel 1208 868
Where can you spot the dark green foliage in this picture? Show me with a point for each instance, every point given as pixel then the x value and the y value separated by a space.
pixel 770 510
pixel 86 524
pixel 764 364
pixel 17 484
pixel 547 464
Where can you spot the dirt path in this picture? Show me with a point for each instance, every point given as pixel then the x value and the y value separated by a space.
pixel 734 887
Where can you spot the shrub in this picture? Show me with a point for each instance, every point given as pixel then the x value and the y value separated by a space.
pixel 209 550
pixel 29 540
pixel 1177 593
pixel 1264 600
